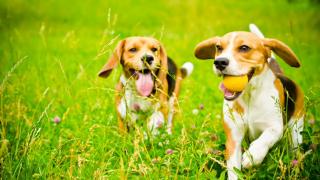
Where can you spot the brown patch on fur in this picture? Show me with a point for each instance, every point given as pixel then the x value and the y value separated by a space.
pixel 299 104
pixel 257 54
pixel 162 83
pixel 294 98
pixel 230 144
pixel 258 71
pixel 164 109
pixel 279 86
pixel 178 83
pixel 237 107
pixel 121 125
pixel 175 94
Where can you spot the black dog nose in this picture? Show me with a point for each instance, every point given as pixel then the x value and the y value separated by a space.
pixel 221 63
pixel 148 59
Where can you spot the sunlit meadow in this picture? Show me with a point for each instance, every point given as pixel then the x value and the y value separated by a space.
pixel 58 118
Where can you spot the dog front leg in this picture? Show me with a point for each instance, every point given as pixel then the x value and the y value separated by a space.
pixel 259 148
pixel 172 102
pixel 156 121
pixel 121 108
pixel 234 136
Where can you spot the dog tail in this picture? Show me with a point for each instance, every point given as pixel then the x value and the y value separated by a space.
pixel 254 29
pixel 272 61
pixel 186 69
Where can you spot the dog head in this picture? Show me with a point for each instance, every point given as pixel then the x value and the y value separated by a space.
pixel 142 58
pixel 242 53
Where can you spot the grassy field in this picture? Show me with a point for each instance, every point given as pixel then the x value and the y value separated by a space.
pixel 51 52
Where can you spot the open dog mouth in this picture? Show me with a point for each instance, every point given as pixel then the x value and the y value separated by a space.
pixel 233 86
pixel 144 81
pixel 229 95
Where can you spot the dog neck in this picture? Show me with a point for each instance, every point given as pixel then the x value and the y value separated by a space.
pixel 258 85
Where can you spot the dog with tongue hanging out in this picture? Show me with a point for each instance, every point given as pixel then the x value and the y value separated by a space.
pixel 149 85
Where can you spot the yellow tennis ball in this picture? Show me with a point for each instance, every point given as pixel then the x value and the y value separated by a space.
pixel 235 83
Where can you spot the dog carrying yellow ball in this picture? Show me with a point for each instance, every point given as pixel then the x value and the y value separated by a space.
pixel 235 83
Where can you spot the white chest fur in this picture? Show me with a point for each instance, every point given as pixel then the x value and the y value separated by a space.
pixel 260 117
pixel 134 107
pixel 132 104
pixel 260 103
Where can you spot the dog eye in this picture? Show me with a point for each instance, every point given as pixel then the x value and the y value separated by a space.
pixel 244 48
pixel 219 48
pixel 154 49
pixel 133 49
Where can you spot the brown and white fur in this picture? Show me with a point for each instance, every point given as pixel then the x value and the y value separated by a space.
pixel 149 85
pixel 262 109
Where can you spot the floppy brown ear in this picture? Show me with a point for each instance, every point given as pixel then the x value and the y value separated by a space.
pixel 164 66
pixel 283 51
pixel 113 60
pixel 162 83
pixel 206 49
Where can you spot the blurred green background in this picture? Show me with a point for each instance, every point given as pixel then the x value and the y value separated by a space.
pixel 51 51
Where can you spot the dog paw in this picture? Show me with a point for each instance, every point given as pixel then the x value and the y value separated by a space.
pixel 156 121
pixel 247 160
pixel 169 131
pixel 253 157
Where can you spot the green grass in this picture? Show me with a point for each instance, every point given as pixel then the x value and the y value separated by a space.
pixel 50 53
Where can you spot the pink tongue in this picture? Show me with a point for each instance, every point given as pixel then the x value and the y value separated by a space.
pixel 225 91
pixel 144 84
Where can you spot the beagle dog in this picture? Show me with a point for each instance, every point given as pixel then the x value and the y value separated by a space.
pixel 149 85
pixel 269 100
